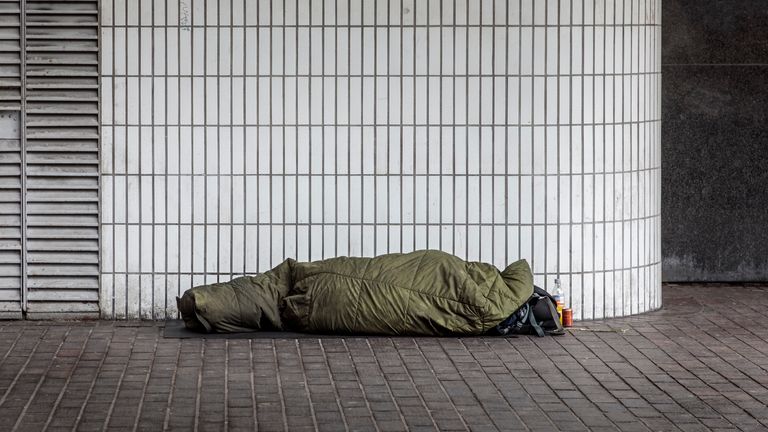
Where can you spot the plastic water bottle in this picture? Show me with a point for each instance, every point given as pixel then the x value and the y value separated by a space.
pixel 559 299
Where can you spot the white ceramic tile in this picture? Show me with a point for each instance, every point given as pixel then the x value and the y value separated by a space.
pixel 539 199
pixel 434 195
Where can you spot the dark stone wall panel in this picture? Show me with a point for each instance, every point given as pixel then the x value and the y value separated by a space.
pixel 715 31
pixel 715 173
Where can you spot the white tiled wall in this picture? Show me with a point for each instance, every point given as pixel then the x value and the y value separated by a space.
pixel 240 132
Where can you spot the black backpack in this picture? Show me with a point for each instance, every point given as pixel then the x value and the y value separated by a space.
pixel 536 316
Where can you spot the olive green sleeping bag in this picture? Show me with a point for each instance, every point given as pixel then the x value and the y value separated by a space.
pixel 425 292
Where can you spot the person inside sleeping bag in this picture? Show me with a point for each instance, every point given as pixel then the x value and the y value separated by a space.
pixel 422 293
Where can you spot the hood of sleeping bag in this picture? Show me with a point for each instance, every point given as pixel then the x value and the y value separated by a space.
pixel 419 293
pixel 243 304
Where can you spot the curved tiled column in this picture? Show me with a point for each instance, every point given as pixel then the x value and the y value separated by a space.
pixel 237 133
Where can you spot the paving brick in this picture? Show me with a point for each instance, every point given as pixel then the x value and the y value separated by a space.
pixel 675 369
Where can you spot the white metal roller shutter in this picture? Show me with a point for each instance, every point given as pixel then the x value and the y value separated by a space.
pixel 62 158
pixel 10 160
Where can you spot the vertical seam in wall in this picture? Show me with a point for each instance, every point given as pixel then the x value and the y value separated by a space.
pixel 99 224
pixel 466 131
pixel 309 130
pixel 387 178
pixel 493 133
pixel 557 137
pixel 582 171
pixel 125 172
pixel 506 129
pixel 622 273
pixel 23 150
pixel 605 146
pixel 613 153
pixel 533 134
pixel 426 127
pixel 178 150
pixel 113 311
pixel 219 170
pixel 480 130
pixel 204 133
pixel 413 130
pixel 245 134
pixel 642 153
pixel 282 129
pixel 401 221
pixel 349 129
pixel 439 181
pixel 545 141
pixel 322 177
pixel 270 122
pixel 518 176
pixel 165 161
pixel 454 238
pixel 193 123
pixel 138 177
pixel 151 80
pixel 628 225
pixel 231 272
pixel 570 157
pixel 594 156
pixel 656 179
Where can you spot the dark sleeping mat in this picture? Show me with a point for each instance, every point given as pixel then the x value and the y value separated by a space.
pixel 174 329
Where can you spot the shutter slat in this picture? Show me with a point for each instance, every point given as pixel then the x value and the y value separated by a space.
pixel 53 309
pixel 66 196
pixel 63 283
pixel 62 133
pixel 68 295
pixel 62 269
pixel 58 245
pixel 63 258
pixel 57 220
pixel 61 233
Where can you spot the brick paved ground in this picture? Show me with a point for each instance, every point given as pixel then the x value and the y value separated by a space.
pixel 699 364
